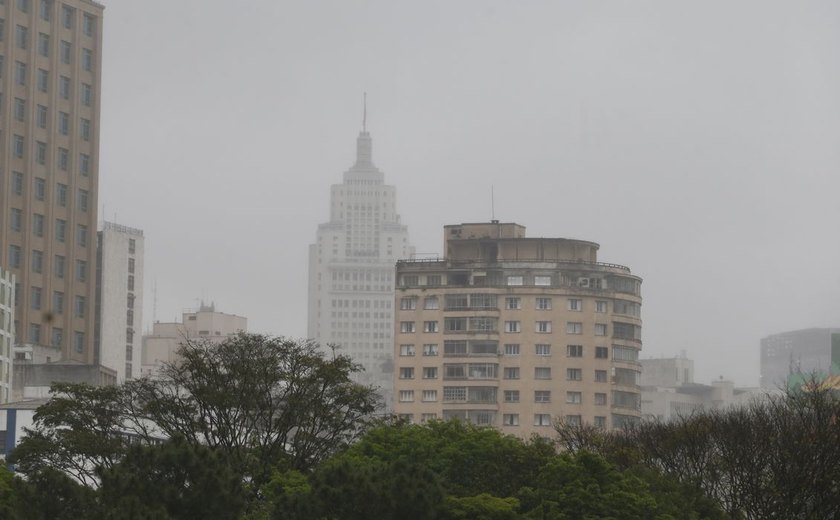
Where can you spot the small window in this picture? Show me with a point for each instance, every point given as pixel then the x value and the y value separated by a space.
pixel 406 350
pixel 65 52
pixel 542 396
pixel 544 281
pixel 543 327
pixel 573 420
pixel 600 329
pixel 510 419
pixel 514 280
pixel 574 350
pixel 511 396
pixel 542 373
pixel 512 326
pixel 431 303
pixel 602 353
pixel 600 306
pixel 407 373
pixel 573 398
pixel 574 374
pixel 512 349
pixel 574 327
pixel 543 304
pixel 430 349
pixel 575 304
pixel 511 373
pixel 407 327
pixel 542 350
pixel 542 419
pixel 406 396
pixel 430 326
pixel 429 372
pixel 408 303
pixel 600 376
pixel 88 25
pixel 513 303
pixel 600 399
pixel 429 396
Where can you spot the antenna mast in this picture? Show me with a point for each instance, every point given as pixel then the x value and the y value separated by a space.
pixel 492 204
pixel 364 113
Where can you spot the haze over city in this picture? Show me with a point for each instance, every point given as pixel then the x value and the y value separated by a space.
pixel 697 143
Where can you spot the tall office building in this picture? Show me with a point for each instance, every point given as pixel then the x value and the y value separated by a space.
pixel 119 299
pixel 351 269
pixel 517 333
pixel 806 352
pixel 50 76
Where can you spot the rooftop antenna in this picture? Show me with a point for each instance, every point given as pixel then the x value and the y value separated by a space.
pixel 364 113
pixel 492 204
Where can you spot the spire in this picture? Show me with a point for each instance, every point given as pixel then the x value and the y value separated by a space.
pixel 364 144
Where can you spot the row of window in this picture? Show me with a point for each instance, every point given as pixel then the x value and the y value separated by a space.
pixel 42 81
pixel 490 371
pixel 484 417
pixel 16 225
pixel 488 395
pixel 491 348
pixel 56 337
pixel 59 263
pixel 68 15
pixel 41 113
pixel 489 324
pixel 39 191
pixel 62 157
pixel 65 50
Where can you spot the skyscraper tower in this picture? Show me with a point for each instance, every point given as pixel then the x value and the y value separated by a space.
pixel 351 269
pixel 50 76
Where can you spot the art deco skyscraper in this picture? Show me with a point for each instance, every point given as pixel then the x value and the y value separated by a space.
pixel 50 57
pixel 351 269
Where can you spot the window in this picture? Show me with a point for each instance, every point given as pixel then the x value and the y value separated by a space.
pixel 17 146
pixel 600 329
pixel 87 60
pixel 17 183
pixel 574 374
pixel 454 393
pixel 431 303
pixel 41 116
pixel 63 159
pixel 43 80
pixel 627 307
pixel 513 303
pixel 408 303
pixel 82 201
pixel 430 349
pixel 16 219
pixel 44 44
pixel 35 298
pixel 84 129
pixel 512 349
pixel 84 164
pixel 600 422
pixel 542 419
pixel 482 323
pixel 61 194
pixel 20 75
pixel 429 372
pixel 65 52
pixel 574 327
pixel 625 353
pixel 426 417
pixel 23 5
pixel 455 324
pixel 600 399
pixel 59 266
pixel 542 373
pixel 542 396
pixel 514 280
pixel 600 376
pixel 35 333
pixel 45 9
pixel 573 420
pixel 129 320
pixel 88 25
pixel 38 225
pixel 63 123
pixel 64 87
pixel 21 36
pixel 600 306
pixel 575 304
pixel 131 247
pixel 429 396
pixel 407 327
pixel 433 280
pixel 407 373
pixel 81 235
pixel 131 282
pixel 129 301
pixel 79 307
pixel 543 327
pixel 512 326
pixel 430 326
pixel 40 152
pixel 406 396
pixel 20 109
pixel 81 270
pixel 542 350
pixel 510 419
pixel 511 373
pixel 58 302
pixel 406 350
pixel 86 95
pixel 37 261
pixel 543 304
pixel 57 337
pixel 408 418
pixel 573 398
pixel 79 341
pixel 60 230
pixel 14 260
pixel 574 350
pixel 627 331
pixel 511 396
pixel 40 186
pixel 542 280
pixel 602 353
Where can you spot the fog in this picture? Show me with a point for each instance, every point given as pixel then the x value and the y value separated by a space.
pixel 697 142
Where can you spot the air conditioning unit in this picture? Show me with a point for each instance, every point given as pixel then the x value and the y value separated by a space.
pixel 583 282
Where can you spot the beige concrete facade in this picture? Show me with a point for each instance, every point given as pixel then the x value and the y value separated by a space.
pixel 161 345
pixel 517 333
pixel 50 65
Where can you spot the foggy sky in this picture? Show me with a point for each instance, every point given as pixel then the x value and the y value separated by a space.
pixel 697 142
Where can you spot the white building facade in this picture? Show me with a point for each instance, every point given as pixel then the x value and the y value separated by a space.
pixel 119 299
pixel 351 270
pixel 7 332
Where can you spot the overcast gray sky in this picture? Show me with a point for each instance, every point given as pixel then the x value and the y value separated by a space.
pixel 697 142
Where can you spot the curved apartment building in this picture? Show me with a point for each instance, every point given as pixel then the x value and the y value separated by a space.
pixel 517 333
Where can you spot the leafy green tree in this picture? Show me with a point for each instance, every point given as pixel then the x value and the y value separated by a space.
pixel 172 480
pixel 49 494
pixel 480 507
